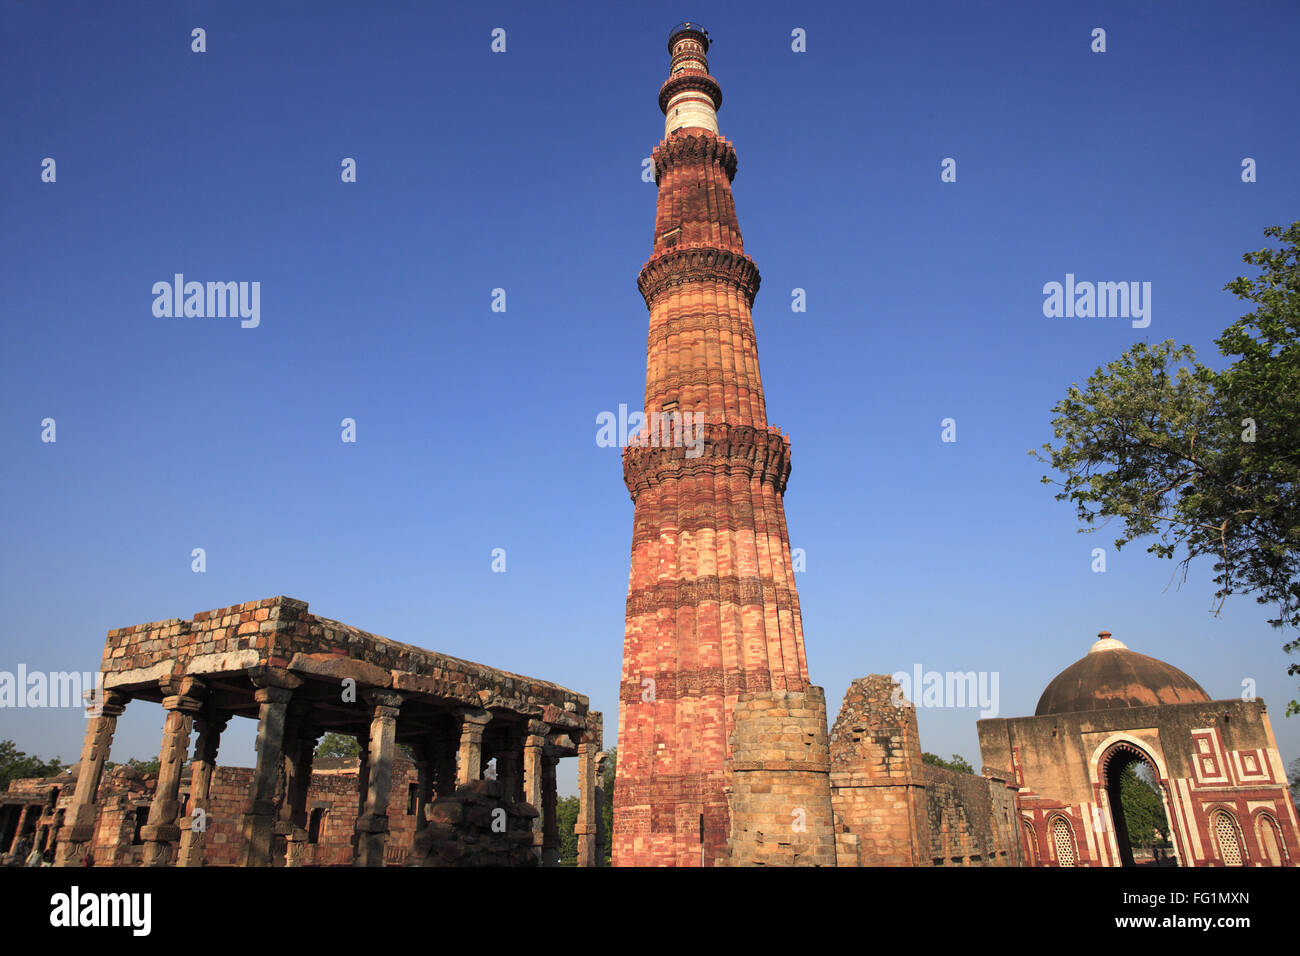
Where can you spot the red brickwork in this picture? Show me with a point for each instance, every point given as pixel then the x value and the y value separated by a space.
pixel 126 795
pixel 712 610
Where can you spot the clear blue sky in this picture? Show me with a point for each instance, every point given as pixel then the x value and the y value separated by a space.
pixel 476 429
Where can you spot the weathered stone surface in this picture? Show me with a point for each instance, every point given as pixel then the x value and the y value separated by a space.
pixel 302 676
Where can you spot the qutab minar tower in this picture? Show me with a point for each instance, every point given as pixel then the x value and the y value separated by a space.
pixel 722 748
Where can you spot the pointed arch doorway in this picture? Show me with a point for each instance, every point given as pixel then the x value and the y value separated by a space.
pixel 1136 803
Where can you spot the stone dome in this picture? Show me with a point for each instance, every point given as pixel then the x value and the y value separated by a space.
pixel 1111 676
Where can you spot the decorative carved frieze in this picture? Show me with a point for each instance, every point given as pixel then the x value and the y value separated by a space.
pixel 698 264
pixel 693 150
pixel 762 453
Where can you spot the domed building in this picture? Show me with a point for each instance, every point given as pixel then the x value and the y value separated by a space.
pixel 1215 786
pixel 1111 676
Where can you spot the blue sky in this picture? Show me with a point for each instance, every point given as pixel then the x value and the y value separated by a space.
pixel 476 429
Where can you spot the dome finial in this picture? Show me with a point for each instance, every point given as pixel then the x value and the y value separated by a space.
pixel 1105 642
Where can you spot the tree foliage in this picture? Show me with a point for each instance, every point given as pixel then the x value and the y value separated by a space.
pixel 1144 812
pixel 335 745
pixel 606 808
pixel 566 814
pixel 17 765
pixel 957 763
pixel 1203 462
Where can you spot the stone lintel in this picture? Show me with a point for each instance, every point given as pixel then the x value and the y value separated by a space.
pixel 474 715
pixel 139 677
pixel 233 662
pixel 338 668
pixel 277 678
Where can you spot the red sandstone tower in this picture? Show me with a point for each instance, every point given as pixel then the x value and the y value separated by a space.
pixel 712 614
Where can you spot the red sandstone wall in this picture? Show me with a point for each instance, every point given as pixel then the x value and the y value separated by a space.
pixel 125 796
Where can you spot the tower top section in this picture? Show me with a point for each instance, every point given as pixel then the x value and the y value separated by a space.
pixel 700 34
pixel 690 97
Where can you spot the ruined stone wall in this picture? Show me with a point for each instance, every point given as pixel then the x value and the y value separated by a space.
pixel 778 777
pixel 1006 815
pixel 892 809
pixel 972 819
pixel 223 842
pixel 333 791
pixel 876 791
pixel 125 795
pixel 476 827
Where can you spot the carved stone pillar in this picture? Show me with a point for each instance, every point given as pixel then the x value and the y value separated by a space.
pixel 372 828
pixel 258 823
pixel 209 725
pixel 363 790
pixel 53 842
pixel 13 814
pixel 550 815
pixel 24 814
pixel 445 749
pixel 79 824
pixel 469 762
pixel 585 828
pixel 422 751
pixel 300 749
pixel 534 746
pixel 160 833
pixel 510 765
pixel 598 794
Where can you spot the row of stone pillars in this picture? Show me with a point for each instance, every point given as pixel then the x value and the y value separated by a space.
pixel 287 738
pixel 26 823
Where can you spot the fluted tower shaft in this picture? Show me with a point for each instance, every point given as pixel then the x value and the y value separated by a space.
pixel 712 611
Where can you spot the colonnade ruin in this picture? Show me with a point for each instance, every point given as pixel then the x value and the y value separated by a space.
pixel 300 676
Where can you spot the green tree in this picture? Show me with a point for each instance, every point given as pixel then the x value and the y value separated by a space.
pixel 566 815
pixel 1144 812
pixel 957 763
pixel 607 804
pixel 16 765
pixel 1203 462
pixel 338 745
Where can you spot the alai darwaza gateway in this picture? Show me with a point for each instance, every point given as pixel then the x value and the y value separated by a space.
pixel 1214 763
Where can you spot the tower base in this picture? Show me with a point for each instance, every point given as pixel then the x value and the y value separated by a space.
pixel 779 781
